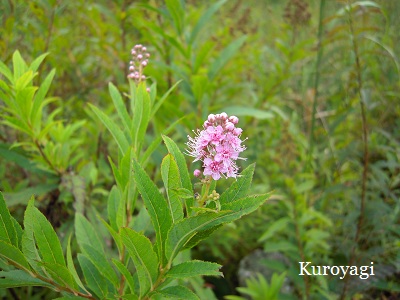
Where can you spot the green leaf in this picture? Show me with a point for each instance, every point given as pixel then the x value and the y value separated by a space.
pixel 13 255
pixel 22 196
pixel 172 182
pixel 178 292
pixel 71 266
pixel 183 169
pixel 145 259
pixel 94 280
pixel 204 19
pixel 60 274
pixel 38 101
pixel 115 131
pixel 8 233
pixel 156 206
pixel 46 238
pixel 248 112
pixel 125 272
pixel 19 65
pixel 274 228
pixel 224 56
pixel 177 13
pixel 116 209
pixel 119 106
pixel 37 62
pixel 17 278
pixel 240 187
pixel 141 116
pixel 182 232
pixel 194 268
pixel 163 98
pixel 28 241
pixel 6 72
pixel 100 262
pixel 86 234
pixel 114 234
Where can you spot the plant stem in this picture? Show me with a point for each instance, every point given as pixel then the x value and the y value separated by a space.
pixel 316 83
pixel 365 153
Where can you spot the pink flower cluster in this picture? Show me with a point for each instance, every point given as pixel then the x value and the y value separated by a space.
pixel 218 146
pixel 140 59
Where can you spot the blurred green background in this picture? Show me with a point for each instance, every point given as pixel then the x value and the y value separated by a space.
pixel 314 83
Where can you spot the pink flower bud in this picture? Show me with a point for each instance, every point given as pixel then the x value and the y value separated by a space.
pixel 147 55
pixel 229 126
pixel 144 63
pixel 234 119
pixel 211 118
pixel 223 116
pixel 237 131
pixel 197 173
pixel 140 56
pixel 131 68
pixel 148 90
pixel 143 77
pixel 144 49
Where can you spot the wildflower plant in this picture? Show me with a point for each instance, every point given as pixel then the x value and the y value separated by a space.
pixel 134 265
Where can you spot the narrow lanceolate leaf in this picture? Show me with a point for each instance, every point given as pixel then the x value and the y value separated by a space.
pixel 71 266
pixel 46 238
pixel 17 278
pixel 156 206
pixel 141 116
pixel 28 242
pixel 115 131
pixel 177 292
pixel 184 231
pixel 86 234
pixel 115 209
pixel 126 273
pixel 13 255
pixel 172 182
pixel 119 106
pixel 100 262
pixel 96 283
pixel 194 268
pixel 240 187
pixel 145 259
pixel 7 229
pixel 183 169
pixel 60 274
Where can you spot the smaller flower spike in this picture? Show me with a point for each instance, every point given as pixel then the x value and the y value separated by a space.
pixel 218 146
pixel 140 59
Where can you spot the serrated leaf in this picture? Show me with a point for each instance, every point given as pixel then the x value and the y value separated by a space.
pixel 18 278
pixel 125 272
pixel 71 266
pixel 100 262
pixel 86 234
pixel 60 274
pixel 194 268
pixel 178 292
pixel 145 259
pixel 28 241
pixel 94 280
pixel 8 233
pixel 115 131
pixel 13 255
pixel 156 206
pixel 183 169
pixel 172 182
pixel 182 232
pixel 46 238
pixel 114 234
pixel 240 187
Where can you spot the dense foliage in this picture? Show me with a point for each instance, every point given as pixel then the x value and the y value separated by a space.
pixel 314 83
